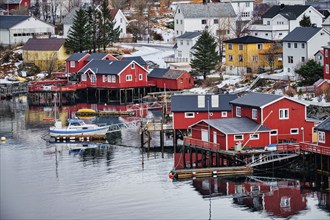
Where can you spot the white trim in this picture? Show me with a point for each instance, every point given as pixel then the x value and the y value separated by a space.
pixel 270 132
pixel 226 141
pixel 235 139
pixel 72 64
pixel 186 115
pixel 129 65
pixel 318 137
pixel 279 114
pixel 240 111
pixel 129 78
pixel 224 114
pixel 254 138
pixel 291 129
pixel 254 110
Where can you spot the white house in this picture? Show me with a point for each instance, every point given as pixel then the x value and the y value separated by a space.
pixel 319 57
pixel 120 21
pixel 242 8
pixel 18 29
pixel 301 44
pixel 279 20
pixel 197 17
pixel 326 23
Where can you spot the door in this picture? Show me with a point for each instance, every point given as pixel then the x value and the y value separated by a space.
pixel 205 135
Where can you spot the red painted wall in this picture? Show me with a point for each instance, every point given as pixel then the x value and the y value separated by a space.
pixel 326 61
pixel 185 81
pixel 78 65
pixel 327 140
pixel 247 112
pixel 261 142
pixel 180 122
pixel 23 4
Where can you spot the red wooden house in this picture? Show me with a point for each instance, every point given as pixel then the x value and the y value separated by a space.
pixel 113 74
pixel 171 79
pixel 15 4
pixel 99 56
pixel 137 59
pixel 75 62
pixel 326 65
pixel 286 117
pixel 225 133
pixel 323 131
pixel 190 109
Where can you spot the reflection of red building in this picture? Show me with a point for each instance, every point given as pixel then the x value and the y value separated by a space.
pixel 15 4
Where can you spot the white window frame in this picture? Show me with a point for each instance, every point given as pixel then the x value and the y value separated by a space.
pixel 72 64
pixel 294 130
pixel 132 66
pixel 238 139
pixel 104 78
pixel 141 76
pixel 83 77
pixel 290 59
pixel 254 136
pixel 113 79
pixel 274 130
pixel 109 78
pixel 238 109
pixel 327 68
pixel 259 46
pixel 224 114
pixel 321 136
pixel 189 114
pixel 283 115
pixel 254 113
pixel 201 101
pixel 129 77
pixel 326 52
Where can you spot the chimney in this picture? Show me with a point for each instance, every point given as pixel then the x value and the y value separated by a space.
pixel 282 6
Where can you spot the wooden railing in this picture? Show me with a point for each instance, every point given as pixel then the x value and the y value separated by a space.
pixel 314 148
pixel 200 143
pixel 288 147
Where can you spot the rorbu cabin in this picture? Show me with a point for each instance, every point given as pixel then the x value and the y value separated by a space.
pixel 226 133
pixel 286 117
pixel 323 131
pixel 137 59
pixel 114 74
pixel 75 62
pixel 190 109
pixel 171 79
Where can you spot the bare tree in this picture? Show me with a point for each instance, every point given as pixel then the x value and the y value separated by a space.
pixel 51 63
pixel 272 55
pixel 53 8
pixel 119 4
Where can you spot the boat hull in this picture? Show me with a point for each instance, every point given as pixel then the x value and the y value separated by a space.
pixel 63 132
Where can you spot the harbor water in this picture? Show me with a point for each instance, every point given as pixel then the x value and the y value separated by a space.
pixel 41 180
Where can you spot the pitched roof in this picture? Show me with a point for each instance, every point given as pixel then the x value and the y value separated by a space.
pixel 12 2
pixel 186 103
pixel 113 12
pixel 166 73
pixel 189 35
pixel 248 40
pixel 107 67
pixel 137 59
pixel 210 10
pixel 236 125
pixel 324 126
pixel 76 56
pixel 68 19
pixel 301 34
pixel 8 21
pixel 44 44
pixel 254 99
pixel 326 21
pixel 289 11
pixel 96 56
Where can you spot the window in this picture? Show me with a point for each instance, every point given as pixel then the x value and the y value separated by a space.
pixel 266 34
pixel 280 57
pixel 295 45
pixel 255 58
pixel 132 66
pixel 230 46
pixel 280 34
pixel 179 53
pixel 216 21
pixel 181 21
pixel 290 59
pixel 187 42
pixel 240 58
pixel 289 45
pixel 224 114
pixel 254 136
pixel 273 132
pixel 303 59
pixel 113 79
pixel 104 78
pixel 201 101
pixel 289 70
pixel 128 77
pixel 140 76
pixel 259 46
pixel 247 4
pixel 294 131
pixel 72 64
pixel 238 111
pixel 326 52
pixel 284 113
pixel 321 136
pixel 245 14
pixel 238 137
pixel 83 77
pixel 181 42
pixel 327 68
pixel 254 113
pixel 230 57
pixel 268 22
pixel 215 101
pixel 203 21
pixel 109 78
pixel 256 34
pixel 302 45
pixel 177 21
pixel 240 46
pixel 177 32
pixel 189 115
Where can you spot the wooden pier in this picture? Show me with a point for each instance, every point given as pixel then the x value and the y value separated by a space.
pixel 76 138
pixel 8 90
pixel 105 113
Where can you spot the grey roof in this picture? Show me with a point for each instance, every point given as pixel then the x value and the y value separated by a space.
pixel 236 125
pixel 8 21
pixel 248 40
pixel 301 34
pixel 255 99
pixel 289 11
pixel 210 10
pixel 76 56
pixel 189 103
pixel 137 59
pixel 107 67
pixel 166 73
pixel 324 126
pixel 96 56
pixel 189 35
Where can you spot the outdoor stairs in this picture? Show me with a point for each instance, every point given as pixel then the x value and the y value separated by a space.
pixel 270 158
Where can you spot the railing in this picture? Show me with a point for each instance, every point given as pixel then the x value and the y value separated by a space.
pixel 200 143
pixel 288 147
pixel 314 148
pixel 175 60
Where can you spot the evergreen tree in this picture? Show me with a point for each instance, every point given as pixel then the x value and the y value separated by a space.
pixel 92 28
pixel 36 11
pixel 108 34
pixel 205 55
pixel 310 73
pixel 305 21
pixel 78 34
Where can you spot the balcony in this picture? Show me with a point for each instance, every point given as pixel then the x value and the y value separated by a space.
pixel 200 143
pixel 172 59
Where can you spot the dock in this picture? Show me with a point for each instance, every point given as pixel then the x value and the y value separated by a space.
pixel 211 172
pixel 76 138
pixel 105 113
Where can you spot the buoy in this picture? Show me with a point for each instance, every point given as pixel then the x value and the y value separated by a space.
pixel 170 175
pixel 3 139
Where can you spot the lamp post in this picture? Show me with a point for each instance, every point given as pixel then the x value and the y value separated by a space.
pixel 302 132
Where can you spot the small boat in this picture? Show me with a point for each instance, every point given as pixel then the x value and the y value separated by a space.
pixel 77 127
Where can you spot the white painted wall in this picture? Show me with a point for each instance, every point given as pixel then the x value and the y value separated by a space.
pixel 121 21
pixel 241 7
pixel 183 50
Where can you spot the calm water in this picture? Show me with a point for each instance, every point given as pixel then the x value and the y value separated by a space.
pixel 44 181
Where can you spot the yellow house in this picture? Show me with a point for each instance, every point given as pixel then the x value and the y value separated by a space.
pixel 49 54
pixel 252 54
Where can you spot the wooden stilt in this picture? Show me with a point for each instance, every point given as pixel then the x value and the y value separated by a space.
pixel 184 156
pixel 190 157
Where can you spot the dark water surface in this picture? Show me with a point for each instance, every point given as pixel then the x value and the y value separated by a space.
pixel 45 181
